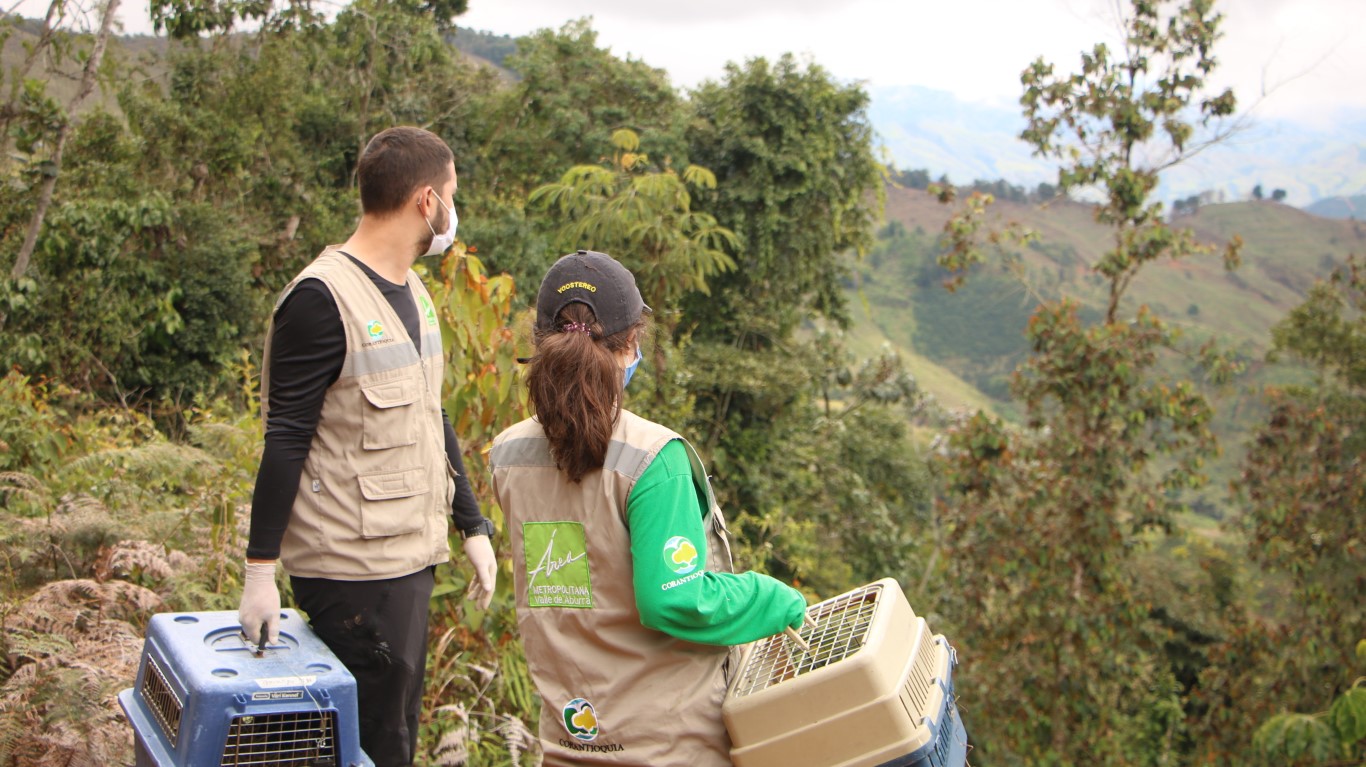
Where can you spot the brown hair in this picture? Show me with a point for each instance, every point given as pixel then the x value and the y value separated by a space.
pixel 574 383
pixel 397 162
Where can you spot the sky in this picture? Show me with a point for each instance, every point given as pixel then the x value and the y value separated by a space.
pixel 1307 56
pixel 1299 60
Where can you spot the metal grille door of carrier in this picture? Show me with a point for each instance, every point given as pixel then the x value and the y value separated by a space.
pixel 306 739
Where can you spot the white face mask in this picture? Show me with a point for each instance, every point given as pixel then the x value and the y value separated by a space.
pixel 442 242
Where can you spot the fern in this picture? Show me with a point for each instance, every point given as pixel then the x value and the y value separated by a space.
pixel 518 738
pixel 12 725
pixel 81 505
pixel 26 646
pixel 146 563
pixel 23 491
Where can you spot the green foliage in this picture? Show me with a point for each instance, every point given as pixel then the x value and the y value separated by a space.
pixel 1294 739
pixel 1323 738
pixel 1328 330
pixel 1045 524
pixel 792 152
pixel 123 302
pixel 570 98
pixel 797 183
pixel 823 485
pixel 645 216
pixel 34 430
pixel 1348 716
pixel 1048 522
pixel 1303 484
pixel 477 679
pixel 481 368
pixel 1125 117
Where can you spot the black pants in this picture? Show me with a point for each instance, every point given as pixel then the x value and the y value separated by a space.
pixel 378 630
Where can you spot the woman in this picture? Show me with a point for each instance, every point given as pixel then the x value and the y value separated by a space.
pixel 626 602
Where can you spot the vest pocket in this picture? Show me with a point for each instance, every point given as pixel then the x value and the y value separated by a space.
pixel 392 502
pixel 389 420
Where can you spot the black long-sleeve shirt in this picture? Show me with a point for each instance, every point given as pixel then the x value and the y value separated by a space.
pixel 308 347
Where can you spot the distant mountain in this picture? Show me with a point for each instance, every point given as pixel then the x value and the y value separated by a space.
pixel 962 346
pixel 1340 207
pixel 490 47
pixel 924 128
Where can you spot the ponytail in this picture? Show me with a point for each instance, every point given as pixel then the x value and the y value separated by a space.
pixel 575 387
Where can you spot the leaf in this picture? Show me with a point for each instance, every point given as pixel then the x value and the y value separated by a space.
pixel 1348 715
pixel 1287 737
pixel 444 588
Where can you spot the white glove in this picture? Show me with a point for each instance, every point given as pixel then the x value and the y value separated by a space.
pixel 260 603
pixel 479 550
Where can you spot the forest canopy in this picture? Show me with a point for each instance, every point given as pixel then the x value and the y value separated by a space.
pixel 158 192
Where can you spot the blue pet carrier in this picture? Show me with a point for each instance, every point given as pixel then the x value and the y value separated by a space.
pixel 204 697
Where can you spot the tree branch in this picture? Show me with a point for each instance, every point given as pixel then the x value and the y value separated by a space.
pixel 92 66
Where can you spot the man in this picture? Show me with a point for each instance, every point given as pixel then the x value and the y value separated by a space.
pixel 361 466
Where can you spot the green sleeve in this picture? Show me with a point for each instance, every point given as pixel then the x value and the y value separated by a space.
pixel 675 593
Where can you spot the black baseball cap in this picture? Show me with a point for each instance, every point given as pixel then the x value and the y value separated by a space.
pixel 594 279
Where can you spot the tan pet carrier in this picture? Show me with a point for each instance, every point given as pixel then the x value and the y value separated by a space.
pixel 875 690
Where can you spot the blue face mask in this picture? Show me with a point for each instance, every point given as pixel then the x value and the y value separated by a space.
pixel 631 369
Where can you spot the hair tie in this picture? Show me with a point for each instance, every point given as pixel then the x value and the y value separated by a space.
pixel 573 327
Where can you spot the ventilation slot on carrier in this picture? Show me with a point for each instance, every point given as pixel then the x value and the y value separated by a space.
pixel 306 739
pixel 162 701
pixel 922 678
pixel 943 744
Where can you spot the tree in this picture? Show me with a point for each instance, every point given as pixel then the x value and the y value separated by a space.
pixel 1303 486
pixel 1278 195
pixel 1120 121
pixel 646 216
pixel 571 96
pixel 1046 521
pixel 1257 192
pixel 792 153
pixel 788 146
pixel 51 167
pixel 797 182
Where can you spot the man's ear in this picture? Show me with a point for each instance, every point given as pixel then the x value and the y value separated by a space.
pixel 422 200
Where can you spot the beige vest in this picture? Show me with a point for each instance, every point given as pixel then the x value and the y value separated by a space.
pixel 612 691
pixel 375 494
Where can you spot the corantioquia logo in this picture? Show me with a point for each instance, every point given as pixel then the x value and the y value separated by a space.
pixel 375 328
pixel 586 286
pixel 680 555
pixel 581 720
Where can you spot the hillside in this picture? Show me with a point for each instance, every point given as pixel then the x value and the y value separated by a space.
pixel 481 48
pixel 963 345
pixel 1339 207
